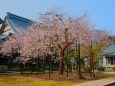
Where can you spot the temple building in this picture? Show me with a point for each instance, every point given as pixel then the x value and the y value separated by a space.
pixel 108 59
pixel 13 23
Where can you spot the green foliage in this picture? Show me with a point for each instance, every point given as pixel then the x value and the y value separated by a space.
pixel 3 68
pixel 96 51
pixel 71 53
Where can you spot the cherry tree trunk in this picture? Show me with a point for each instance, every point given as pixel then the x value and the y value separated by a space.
pixel 91 61
pixel 61 63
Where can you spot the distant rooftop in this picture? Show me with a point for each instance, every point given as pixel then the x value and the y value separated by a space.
pixel 18 23
pixel 110 50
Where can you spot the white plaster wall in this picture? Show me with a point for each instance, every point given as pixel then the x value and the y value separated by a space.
pixel 104 61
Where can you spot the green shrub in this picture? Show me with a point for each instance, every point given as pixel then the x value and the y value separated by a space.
pixel 3 68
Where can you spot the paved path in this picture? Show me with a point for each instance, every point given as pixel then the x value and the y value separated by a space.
pixel 101 82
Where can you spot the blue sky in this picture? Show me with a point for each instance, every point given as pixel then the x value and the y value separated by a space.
pixel 101 12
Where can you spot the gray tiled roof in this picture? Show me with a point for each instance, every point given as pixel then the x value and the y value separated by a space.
pixel 18 23
pixel 110 50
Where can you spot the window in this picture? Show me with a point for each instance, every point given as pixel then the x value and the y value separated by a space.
pixel 111 61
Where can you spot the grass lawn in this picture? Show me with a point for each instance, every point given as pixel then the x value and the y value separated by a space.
pixel 106 74
pixel 29 81
pixel 32 80
pixel 39 80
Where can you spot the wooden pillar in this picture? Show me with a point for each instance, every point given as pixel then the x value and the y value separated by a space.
pixel 110 62
pixel 106 62
pixel 113 61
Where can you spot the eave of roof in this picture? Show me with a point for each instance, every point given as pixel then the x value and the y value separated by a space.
pixel 110 50
pixel 17 22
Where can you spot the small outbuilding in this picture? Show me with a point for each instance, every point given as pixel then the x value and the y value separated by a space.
pixel 108 59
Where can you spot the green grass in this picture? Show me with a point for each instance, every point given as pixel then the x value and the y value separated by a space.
pixel 17 80
pixel 106 74
pixel 36 80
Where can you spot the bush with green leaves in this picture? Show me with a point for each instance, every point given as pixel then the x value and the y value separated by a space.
pixel 3 68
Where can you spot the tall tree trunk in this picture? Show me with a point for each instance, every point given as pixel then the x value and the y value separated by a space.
pixel 61 63
pixel 79 62
pixel 43 65
pixel 49 65
pixel 91 61
pixel 93 75
pixel 67 62
pixel 67 70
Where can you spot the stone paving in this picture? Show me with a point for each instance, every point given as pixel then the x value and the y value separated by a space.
pixel 101 82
